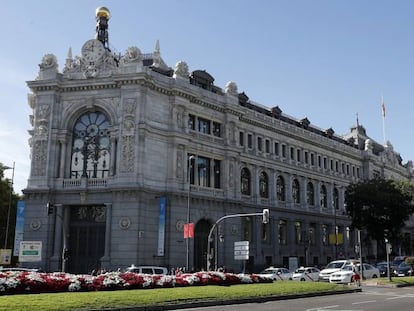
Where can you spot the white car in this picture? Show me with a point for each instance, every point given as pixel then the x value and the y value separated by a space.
pixel 306 274
pixel 276 274
pixel 147 269
pixel 346 275
pixel 334 266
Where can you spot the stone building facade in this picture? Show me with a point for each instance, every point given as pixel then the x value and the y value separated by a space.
pixel 125 150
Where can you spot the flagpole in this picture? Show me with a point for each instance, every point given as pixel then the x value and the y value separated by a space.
pixel 383 119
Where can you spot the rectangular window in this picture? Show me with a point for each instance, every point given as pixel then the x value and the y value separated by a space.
pixel 216 129
pixel 203 170
pixel 191 122
pixel 325 163
pixel 357 172
pixel 284 151
pixel 319 161
pixel 298 232
pixel 203 126
pixel 267 146
pixel 247 229
pixel 282 232
pixel 312 156
pixel 241 139
pixel 217 172
pixel 312 234
pixel 306 157
pixel 298 158
pixel 325 235
pixel 277 148
pixel 259 143
pixel 249 141
pixel 266 233
pixel 292 153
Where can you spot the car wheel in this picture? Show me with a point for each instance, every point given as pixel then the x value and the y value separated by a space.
pixel 374 276
pixel 302 279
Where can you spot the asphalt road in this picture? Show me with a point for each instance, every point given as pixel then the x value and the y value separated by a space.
pixel 370 299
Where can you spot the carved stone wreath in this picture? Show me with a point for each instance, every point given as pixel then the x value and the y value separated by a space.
pixel 35 224
pixel 124 223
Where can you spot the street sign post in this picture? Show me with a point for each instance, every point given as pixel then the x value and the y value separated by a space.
pixel 30 251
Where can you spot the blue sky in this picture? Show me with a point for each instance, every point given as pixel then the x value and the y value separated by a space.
pixel 325 60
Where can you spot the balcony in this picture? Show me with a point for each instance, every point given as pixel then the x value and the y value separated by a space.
pixel 90 183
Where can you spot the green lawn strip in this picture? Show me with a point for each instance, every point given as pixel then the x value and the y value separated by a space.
pixel 146 297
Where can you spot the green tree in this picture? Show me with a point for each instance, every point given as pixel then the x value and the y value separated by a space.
pixel 5 203
pixel 379 204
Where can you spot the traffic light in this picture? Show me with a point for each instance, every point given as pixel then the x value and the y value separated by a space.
pixel 266 216
pixel 386 235
pixel 65 254
pixel 49 208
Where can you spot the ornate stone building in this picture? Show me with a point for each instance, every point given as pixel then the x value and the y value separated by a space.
pixel 125 150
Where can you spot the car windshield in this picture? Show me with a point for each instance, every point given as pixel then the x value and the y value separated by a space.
pixel 334 265
pixel 268 272
pixel 402 265
pixel 347 268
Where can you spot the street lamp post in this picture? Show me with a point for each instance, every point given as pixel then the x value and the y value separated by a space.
pixel 188 213
pixel 10 202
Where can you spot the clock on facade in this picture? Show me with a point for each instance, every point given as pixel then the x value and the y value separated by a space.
pixel 93 50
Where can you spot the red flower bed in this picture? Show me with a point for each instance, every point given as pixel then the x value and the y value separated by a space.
pixel 17 282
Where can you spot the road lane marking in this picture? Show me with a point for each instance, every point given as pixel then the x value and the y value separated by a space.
pixel 362 302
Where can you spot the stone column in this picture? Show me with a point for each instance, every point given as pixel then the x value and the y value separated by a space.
pixel 105 260
pixel 62 158
pixel 57 240
pixel 113 154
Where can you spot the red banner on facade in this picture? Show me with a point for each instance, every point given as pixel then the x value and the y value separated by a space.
pixel 189 230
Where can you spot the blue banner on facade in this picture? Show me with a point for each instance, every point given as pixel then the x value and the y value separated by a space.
pixel 161 227
pixel 18 233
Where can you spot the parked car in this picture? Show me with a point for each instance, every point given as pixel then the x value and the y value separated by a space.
pixel 147 269
pixel 346 274
pixel 403 269
pixel 334 266
pixel 276 274
pixel 306 274
pixel 383 269
pixel 396 262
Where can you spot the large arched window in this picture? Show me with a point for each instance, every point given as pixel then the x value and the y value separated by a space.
pixel 245 180
pixel 280 189
pixel 90 146
pixel 263 185
pixel 296 191
pixel 323 197
pixel 310 194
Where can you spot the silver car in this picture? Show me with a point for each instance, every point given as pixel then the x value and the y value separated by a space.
pixel 276 274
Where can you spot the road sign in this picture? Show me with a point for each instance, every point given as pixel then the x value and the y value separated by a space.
pixel 5 256
pixel 30 251
pixel 241 250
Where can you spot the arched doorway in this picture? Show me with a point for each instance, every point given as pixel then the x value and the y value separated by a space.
pixel 202 229
pixel 86 238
